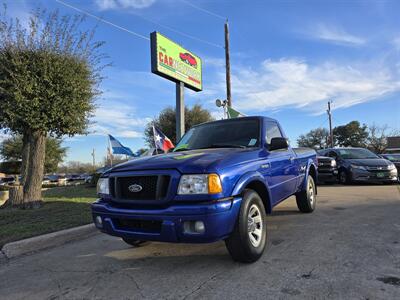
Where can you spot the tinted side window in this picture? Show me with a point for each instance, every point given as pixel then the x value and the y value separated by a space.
pixel 333 154
pixel 272 131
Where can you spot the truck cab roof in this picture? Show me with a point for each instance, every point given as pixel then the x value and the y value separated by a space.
pixel 261 118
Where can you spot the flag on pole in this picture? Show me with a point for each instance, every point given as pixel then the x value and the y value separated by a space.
pixel 232 113
pixel 161 140
pixel 118 148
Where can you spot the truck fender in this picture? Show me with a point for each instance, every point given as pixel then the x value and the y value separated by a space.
pixel 254 177
pixel 310 164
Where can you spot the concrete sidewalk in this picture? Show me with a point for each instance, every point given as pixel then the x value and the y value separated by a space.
pixel 349 248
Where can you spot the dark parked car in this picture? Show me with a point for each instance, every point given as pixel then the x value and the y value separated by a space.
pixel 327 169
pixel 394 158
pixel 361 165
pixel 10 180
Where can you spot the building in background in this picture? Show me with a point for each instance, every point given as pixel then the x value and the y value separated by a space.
pixel 393 144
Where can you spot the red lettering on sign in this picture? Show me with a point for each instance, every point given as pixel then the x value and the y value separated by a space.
pixel 160 56
pixel 170 61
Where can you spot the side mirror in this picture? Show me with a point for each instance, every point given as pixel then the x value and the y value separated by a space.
pixel 278 143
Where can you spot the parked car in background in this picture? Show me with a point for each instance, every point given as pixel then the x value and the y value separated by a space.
pixel 54 180
pixel 361 165
pixel 150 152
pixel 394 158
pixel 9 180
pixel 327 169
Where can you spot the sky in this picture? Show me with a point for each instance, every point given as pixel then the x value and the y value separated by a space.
pixel 288 59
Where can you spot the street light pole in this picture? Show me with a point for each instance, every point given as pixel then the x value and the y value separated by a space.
pixel 330 124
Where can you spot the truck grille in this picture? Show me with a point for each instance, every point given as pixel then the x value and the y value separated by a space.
pixel 377 168
pixel 138 225
pixel 152 187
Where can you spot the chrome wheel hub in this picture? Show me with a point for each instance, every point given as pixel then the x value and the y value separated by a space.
pixel 255 225
pixel 311 193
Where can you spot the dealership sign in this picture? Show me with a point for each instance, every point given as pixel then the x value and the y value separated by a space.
pixel 171 61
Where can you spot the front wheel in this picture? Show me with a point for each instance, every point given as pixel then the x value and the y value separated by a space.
pixel 306 199
pixel 249 237
pixel 344 177
pixel 133 242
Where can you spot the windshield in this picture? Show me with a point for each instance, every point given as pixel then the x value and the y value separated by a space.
pixel 392 157
pixel 356 154
pixel 238 133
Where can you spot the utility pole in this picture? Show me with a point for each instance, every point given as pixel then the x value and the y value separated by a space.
pixel 94 159
pixel 227 66
pixel 330 124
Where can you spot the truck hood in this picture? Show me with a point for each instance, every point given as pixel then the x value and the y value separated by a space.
pixel 193 161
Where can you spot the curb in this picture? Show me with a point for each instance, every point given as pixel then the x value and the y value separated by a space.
pixel 46 241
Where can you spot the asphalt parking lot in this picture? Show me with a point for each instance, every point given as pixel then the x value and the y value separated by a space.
pixel 349 248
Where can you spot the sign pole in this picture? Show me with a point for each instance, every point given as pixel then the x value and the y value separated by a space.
pixel 180 110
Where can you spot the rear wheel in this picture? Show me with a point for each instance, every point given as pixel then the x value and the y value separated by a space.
pixel 248 239
pixel 306 199
pixel 133 242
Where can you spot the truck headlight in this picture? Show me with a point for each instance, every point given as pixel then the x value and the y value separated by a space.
pixel 103 186
pixel 199 184
pixel 333 163
pixel 391 167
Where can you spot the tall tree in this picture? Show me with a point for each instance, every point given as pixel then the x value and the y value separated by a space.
pixel 49 76
pixel 351 135
pixel 316 138
pixel 166 122
pixel 11 150
pixel 377 137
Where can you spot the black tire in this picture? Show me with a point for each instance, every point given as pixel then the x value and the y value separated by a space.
pixel 343 177
pixel 240 245
pixel 306 199
pixel 133 242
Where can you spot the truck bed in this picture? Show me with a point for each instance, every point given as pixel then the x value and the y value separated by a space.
pixel 304 152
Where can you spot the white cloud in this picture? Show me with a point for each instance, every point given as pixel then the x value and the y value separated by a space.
pixel 209 61
pixel 118 119
pixel 396 43
pixel 294 83
pixel 123 4
pixel 334 35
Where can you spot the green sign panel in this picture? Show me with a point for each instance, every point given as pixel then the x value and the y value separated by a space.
pixel 174 62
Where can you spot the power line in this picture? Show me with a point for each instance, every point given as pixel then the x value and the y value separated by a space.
pixel 104 21
pixel 204 10
pixel 180 32
pixel 135 33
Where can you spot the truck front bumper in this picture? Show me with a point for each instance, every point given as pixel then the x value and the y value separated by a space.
pixel 168 224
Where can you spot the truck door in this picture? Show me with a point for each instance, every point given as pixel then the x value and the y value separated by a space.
pixel 281 176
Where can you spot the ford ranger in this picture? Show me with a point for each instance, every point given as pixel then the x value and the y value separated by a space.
pixel 218 184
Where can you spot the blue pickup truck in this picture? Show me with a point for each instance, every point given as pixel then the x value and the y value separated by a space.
pixel 218 184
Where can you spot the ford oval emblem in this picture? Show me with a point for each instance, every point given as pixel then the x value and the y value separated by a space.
pixel 135 188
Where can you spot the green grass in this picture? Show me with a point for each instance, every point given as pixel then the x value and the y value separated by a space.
pixel 64 207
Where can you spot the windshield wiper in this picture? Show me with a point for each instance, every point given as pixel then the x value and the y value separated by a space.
pixel 225 146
